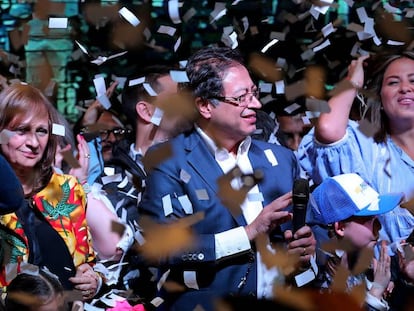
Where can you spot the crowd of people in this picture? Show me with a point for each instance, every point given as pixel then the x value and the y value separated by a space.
pixel 180 195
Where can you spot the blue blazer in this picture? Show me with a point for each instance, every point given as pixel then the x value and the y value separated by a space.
pixel 215 278
pixel 11 191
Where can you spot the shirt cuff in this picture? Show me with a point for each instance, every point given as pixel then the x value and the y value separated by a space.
pixel 231 242
pixel 374 302
pixel 345 137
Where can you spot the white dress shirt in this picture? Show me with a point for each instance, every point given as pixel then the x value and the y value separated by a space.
pixel 235 240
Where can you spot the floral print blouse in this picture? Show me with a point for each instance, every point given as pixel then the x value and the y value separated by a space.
pixel 63 204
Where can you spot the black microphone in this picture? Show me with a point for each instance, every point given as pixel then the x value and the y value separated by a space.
pixel 300 198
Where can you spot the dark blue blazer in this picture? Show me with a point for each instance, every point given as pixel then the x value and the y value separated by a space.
pixel 214 277
pixel 11 191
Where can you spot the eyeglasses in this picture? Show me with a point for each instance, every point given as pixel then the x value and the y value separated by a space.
pixel 119 133
pixel 240 101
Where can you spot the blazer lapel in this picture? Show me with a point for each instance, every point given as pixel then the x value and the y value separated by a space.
pixel 258 158
pixel 259 161
pixel 202 161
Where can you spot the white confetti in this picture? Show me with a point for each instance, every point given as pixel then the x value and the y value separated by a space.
pixel 173 11
pixel 168 30
pixel 167 205
pixel 179 76
pixel 184 176
pixel 186 204
pixel 58 129
pixel 58 22
pixel 270 157
pixel 157 116
pixel 269 45
pixel 129 16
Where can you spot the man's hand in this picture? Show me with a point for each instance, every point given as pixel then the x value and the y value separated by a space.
pixel 270 217
pixel 86 280
pixel 302 243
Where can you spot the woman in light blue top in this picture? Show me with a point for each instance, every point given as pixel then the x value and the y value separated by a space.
pixel 385 159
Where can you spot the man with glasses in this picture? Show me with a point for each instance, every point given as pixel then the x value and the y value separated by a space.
pixel 103 129
pixel 113 132
pixel 224 259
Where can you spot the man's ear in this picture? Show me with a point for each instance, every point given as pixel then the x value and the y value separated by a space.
pixel 204 107
pixel 339 227
pixel 144 110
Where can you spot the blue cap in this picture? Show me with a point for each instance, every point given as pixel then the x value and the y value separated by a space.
pixel 340 197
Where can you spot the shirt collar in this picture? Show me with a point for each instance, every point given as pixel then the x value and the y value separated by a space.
pixel 134 153
pixel 243 148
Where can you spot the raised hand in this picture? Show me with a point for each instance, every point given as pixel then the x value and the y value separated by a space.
pixel 356 71
pixel 81 172
pixel 382 272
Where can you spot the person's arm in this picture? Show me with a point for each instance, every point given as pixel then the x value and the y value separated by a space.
pixel 331 126
pixel 94 111
pixel 104 238
pixel 82 251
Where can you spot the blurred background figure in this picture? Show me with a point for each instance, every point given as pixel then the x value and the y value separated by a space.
pixel 103 129
pixel 291 120
pixel 291 130
pixel 266 127
pixel 114 131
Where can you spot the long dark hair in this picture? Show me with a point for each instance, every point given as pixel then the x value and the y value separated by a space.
pixel 375 69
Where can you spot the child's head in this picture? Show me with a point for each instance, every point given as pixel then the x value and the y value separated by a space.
pixel 40 292
pixel 350 206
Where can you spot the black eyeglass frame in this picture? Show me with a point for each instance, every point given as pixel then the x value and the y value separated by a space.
pixel 118 132
pixel 239 101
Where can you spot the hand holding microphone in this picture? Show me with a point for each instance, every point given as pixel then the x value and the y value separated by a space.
pixel 301 240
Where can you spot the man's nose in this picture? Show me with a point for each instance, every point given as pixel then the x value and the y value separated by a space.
pixel 255 103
